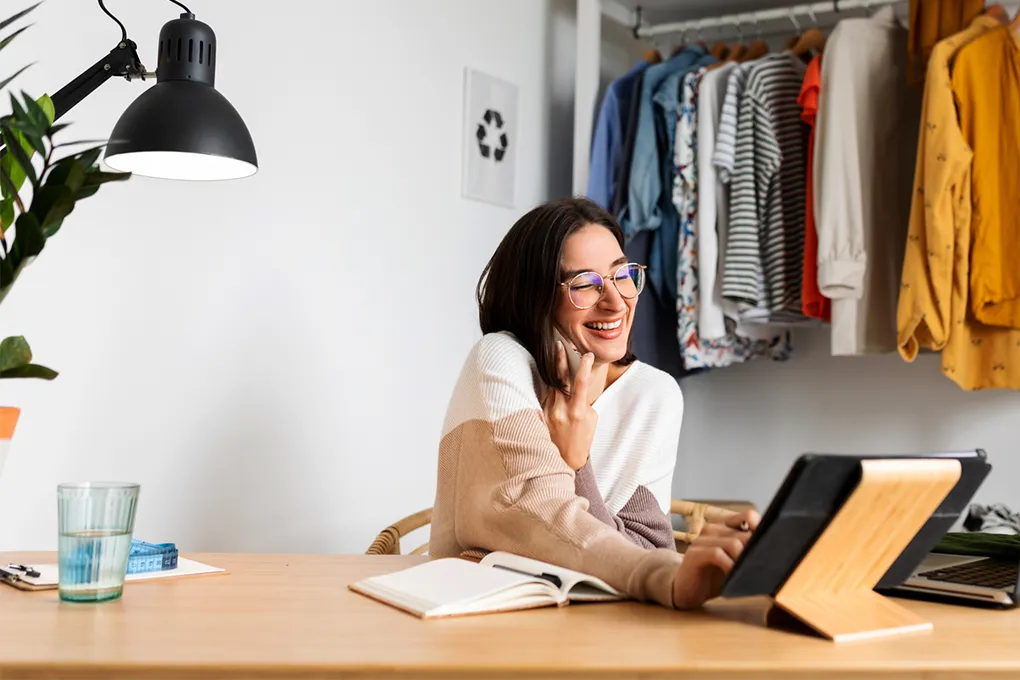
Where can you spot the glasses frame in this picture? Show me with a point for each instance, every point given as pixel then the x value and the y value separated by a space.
pixel 643 268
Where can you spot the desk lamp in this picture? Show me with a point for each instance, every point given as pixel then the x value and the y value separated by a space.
pixel 182 128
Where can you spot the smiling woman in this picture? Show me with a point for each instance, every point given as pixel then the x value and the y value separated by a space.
pixel 570 462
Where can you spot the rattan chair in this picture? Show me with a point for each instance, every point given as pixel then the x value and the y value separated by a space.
pixel 695 514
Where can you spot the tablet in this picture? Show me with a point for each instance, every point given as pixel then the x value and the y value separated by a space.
pixel 812 493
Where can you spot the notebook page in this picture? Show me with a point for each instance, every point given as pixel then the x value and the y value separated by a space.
pixel 568 577
pixel 451 583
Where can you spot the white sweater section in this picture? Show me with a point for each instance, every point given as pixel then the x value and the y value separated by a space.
pixel 638 430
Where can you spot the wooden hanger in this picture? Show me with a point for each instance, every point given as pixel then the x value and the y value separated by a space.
pixel 999 13
pixel 811 40
pixel 720 50
pixel 758 48
pixel 739 48
pixel 652 56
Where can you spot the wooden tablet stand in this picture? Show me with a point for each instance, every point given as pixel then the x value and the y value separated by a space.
pixel 831 589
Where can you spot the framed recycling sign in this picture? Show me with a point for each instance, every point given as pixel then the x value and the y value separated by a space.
pixel 489 168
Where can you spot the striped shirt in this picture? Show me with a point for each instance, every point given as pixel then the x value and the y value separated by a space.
pixel 726 137
pixel 766 239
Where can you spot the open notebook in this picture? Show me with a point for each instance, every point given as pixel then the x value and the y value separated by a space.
pixel 500 582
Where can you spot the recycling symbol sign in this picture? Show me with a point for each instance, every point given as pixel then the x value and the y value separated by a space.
pixel 492 138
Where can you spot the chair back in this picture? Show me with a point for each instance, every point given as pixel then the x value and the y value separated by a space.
pixel 695 514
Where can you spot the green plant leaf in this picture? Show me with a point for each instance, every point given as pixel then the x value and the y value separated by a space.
pixel 10 20
pixel 54 129
pixel 36 112
pixel 97 177
pixel 30 240
pixel 50 205
pixel 30 371
pixel 88 157
pixel 6 214
pixel 14 353
pixel 16 150
pixel 7 41
pixel 18 126
pixel 7 186
pixel 28 133
pixel 86 192
pixel 6 276
pixel 7 81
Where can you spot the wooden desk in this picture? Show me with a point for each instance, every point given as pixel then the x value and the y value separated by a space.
pixel 289 616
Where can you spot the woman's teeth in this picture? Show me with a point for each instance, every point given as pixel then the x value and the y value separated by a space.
pixel 600 326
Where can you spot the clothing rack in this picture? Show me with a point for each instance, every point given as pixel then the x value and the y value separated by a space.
pixel 588 50
pixel 752 19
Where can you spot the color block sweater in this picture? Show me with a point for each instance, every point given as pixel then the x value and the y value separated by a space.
pixel 502 484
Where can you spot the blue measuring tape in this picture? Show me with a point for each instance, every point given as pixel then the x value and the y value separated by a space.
pixel 148 557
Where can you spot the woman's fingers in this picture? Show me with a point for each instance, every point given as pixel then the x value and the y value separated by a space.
pixel 562 370
pixel 744 521
pixel 579 396
pixel 731 545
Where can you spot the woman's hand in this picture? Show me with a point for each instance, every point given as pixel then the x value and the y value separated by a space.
pixel 710 558
pixel 571 420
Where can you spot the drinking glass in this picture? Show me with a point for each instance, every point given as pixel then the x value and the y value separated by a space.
pixel 96 523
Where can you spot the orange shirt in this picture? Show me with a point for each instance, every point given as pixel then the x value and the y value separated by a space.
pixel 986 84
pixel 813 303
pixel 933 312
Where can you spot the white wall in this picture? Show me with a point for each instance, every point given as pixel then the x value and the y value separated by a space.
pixel 744 425
pixel 271 358
pixel 246 351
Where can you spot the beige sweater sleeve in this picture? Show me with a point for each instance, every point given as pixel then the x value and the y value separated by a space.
pixel 502 484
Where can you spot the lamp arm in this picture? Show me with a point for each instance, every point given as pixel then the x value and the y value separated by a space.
pixel 122 61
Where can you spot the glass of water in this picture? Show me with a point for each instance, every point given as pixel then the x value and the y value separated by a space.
pixel 97 521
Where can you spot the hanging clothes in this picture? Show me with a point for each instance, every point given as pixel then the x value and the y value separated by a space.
pixel 724 159
pixel 648 204
pixel 630 137
pixel 932 21
pixel 863 169
pixel 933 310
pixel 685 199
pixel 713 207
pixel 766 239
pixel 707 337
pixel 608 141
pixel 813 304
pixel 986 84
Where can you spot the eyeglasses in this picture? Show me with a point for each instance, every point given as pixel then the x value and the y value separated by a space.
pixel 587 288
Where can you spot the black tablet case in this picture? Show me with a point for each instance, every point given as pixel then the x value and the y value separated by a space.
pixel 811 494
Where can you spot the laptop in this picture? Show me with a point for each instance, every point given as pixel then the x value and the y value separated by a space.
pixel 963 580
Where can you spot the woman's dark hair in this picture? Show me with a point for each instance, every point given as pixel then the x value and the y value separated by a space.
pixel 519 286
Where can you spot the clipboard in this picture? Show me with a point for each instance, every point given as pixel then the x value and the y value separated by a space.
pixel 27 577
pixel 37 577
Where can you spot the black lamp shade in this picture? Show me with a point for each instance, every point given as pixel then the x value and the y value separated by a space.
pixel 183 128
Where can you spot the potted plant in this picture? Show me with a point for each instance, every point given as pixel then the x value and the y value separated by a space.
pixel 32 214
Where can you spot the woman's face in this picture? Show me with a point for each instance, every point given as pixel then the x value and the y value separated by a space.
pixel 603 329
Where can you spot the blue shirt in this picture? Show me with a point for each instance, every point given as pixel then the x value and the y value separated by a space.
pixel 641 210
pixel 607 144
pixel 650 203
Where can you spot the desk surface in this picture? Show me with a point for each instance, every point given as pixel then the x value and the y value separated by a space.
pixel 291 616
